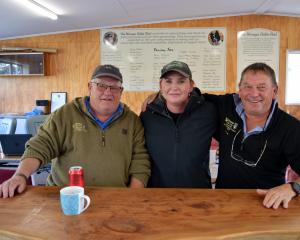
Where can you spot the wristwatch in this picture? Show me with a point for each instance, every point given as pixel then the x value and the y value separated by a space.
pixel 296 187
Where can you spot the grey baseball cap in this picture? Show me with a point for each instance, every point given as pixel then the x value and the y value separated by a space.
pixel 107 70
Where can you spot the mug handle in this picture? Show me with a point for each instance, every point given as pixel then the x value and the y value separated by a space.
pixel 88 201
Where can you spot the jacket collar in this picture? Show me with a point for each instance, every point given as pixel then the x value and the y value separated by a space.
pixel 241 112
pixel 80 103
pixel 159 104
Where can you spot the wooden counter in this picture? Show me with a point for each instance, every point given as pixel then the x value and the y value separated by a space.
pixel 148 214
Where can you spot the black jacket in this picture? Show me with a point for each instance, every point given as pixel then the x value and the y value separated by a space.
pixel 180 151
pixel 269 152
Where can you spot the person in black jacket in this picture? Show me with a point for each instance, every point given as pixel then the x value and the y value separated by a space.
pixel 179 126
pixel 257 139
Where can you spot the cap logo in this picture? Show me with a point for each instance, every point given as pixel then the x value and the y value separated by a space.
pixel 175 64
pixel 108 67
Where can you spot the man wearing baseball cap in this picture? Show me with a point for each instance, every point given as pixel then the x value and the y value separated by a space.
pixel 97 132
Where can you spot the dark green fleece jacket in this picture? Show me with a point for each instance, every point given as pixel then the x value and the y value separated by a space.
pixel 109 157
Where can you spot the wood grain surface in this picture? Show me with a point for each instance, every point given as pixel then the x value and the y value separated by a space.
pixel 165 214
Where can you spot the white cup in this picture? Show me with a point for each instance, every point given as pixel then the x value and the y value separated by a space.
pixel 73 201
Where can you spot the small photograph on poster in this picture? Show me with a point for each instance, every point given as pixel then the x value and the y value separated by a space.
pixel 58 99
pixel 215 37
pixel 110 38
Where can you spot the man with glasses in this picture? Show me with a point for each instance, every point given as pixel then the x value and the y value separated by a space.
pixel 97 132
pixel 257 139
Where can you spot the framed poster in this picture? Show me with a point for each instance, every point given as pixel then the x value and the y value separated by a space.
pixel 141 53
pixel 58 99
pixel 257 45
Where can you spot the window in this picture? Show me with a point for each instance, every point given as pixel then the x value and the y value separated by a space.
pixel 292 86
pixel 14 64
pixel 8 68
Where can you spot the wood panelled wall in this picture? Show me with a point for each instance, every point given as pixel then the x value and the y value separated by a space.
pixel 78 53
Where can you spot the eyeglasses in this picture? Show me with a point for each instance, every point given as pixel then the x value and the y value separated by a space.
pixel 238 153
pixel 103 87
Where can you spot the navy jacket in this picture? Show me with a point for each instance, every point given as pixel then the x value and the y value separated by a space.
pixel 180 151
pixel 259 161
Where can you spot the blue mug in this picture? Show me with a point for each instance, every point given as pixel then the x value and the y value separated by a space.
pixel 73 201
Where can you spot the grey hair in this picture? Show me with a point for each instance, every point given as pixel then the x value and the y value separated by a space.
pixel 260 67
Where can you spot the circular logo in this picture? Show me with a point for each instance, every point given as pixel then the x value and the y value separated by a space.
pixel 215 37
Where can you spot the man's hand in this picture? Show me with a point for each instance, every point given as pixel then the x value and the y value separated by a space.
pixel 135 183
pixel 277 195
pixel 8 188
pixel 17 183
pixel 148 100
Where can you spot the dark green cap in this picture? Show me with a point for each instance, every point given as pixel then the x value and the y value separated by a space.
pixel 177 66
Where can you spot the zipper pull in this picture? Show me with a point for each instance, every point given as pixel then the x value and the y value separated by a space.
pixel 176 134
pixel 103 139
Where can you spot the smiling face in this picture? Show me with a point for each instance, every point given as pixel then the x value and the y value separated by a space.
pixel 104 100
pixel 257 91
pixel 175 88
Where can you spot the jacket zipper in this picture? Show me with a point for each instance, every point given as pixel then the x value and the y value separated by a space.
pixel 177 140
pixel 177 137
pixel 103 139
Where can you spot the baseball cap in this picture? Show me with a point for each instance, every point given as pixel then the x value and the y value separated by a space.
pixel 177 66
pixel 107 70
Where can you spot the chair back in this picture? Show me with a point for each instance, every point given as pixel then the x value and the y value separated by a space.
pixel 33 123
pixel 7 125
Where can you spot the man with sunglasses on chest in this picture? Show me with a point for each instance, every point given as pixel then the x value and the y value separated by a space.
pixel 97 132
pixel 257 139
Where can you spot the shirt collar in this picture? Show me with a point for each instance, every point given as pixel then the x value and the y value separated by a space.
pixel 239 108
pixel 105 124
